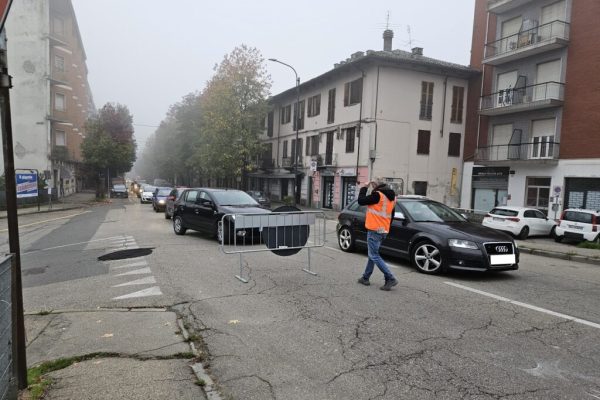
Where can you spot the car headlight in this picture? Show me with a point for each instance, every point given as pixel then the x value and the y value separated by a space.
pixel 161 202
pixel 463 244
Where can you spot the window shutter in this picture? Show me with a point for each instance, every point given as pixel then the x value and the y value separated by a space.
pixel 347 93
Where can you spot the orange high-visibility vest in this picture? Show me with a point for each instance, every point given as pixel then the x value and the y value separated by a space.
pixel 379 216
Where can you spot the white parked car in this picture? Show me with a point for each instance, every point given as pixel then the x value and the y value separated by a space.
pixel 577 224
pixel 520 221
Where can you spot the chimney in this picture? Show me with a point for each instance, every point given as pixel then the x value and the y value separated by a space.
pixel 417 51
pixel 388 35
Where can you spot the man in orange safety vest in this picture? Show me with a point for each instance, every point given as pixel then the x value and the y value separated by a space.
pixel 380 213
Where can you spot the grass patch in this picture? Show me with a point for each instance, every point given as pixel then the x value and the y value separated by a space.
pixel 45 312
pixel 193 338
pixel 37 383
pixel 589 245
pixel 201 382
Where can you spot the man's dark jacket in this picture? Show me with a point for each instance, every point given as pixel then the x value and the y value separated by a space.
pixel 373 198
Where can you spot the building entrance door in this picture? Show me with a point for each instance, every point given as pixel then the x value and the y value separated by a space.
pixel 328 191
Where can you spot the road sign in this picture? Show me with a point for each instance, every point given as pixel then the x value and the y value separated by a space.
pixel 27 185
pixel 4 8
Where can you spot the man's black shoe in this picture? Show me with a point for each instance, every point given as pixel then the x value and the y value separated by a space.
pixel 364 281
pixel 389 284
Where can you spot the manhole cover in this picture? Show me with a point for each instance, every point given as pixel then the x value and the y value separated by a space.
pixel 123 254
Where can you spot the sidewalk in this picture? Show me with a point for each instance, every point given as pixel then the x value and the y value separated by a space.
pixel 75 200
pixel 113 354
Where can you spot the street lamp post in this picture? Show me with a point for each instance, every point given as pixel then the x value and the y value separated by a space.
pixel 297 125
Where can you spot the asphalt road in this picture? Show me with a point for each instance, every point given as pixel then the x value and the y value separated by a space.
pixel 527 334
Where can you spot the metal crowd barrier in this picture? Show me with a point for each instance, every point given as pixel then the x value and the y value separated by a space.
pixel 283 233
pixel 7 383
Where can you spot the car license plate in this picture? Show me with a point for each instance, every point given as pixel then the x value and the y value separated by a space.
pixel 498 219
pixel 502 259
pixel 576 227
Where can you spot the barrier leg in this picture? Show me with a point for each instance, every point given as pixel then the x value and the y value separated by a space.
pixel 241 275
pixel 308 270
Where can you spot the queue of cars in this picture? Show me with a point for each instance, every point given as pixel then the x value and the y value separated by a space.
pixel 432 236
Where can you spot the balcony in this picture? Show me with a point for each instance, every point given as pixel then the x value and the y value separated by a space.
pixel 542 150
pixel 60 153
pixel 543 38
pixel 288 162
pixel 265 163
pixel 326 160
pixel 502 6
pixel 526 98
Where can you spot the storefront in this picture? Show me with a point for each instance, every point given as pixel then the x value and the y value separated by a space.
pixel 582 193
pixel 489 187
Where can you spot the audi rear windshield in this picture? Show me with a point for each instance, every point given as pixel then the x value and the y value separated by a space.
pixel 431 211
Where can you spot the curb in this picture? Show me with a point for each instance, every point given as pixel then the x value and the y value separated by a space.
pixel 560 255
pixel 74 207
pixel 198 368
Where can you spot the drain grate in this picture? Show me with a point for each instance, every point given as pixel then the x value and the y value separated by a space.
pixel 124 254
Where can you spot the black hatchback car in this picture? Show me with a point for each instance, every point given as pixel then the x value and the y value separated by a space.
pixel 202 209
pixel 433 237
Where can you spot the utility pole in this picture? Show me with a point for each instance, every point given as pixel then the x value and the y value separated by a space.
pixel 20 361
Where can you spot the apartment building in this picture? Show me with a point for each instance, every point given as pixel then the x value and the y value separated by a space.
pixel 51 98
pixel 532 127
pixel 392 114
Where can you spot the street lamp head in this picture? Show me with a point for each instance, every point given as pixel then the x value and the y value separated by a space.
pixel 273 59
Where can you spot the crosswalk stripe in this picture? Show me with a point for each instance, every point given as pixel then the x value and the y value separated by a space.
pixel 143 281
pixel 136 272
pixel 153 291
pixel 137 264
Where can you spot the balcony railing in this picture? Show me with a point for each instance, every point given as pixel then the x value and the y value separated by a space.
pixel 288 162
pixel 540 149
pixel 540 95
pixel 530 38
pixel 326 160
pixel 266 163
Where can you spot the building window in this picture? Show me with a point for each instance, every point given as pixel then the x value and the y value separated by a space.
pixel 350 134
pixel 426 100
pixel 314 145
pixel 60 138
pixel 59 102
pixel 353 92
pixel 286 114
pixel 299 120
pixel 331 106
pixel 270 124
pixel 454 145
pixel 314 106
pixel 420 188
pixel 538 192
pixel 58 26
pixel 458 98
pixel 59 63
pixel 285 149
pixel 423 142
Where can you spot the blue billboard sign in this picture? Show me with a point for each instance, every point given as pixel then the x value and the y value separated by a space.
pixel 27 185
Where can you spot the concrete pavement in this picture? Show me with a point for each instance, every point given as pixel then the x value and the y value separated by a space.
pixel 114 354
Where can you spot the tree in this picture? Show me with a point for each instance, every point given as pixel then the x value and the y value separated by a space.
pixel 109 144
pixel 234 106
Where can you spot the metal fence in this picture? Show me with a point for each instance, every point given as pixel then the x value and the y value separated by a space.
pixel 283 233
pixel 7 383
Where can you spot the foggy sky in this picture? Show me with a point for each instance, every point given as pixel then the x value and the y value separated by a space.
pixel 148 54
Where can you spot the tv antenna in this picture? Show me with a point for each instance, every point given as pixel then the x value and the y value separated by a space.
pixel 410 41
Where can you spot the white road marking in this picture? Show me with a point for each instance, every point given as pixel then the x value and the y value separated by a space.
pixel 525 305
pixel 136 272
pixel 153 291
pixel 137 264
pixel 70 244
pixel 48 220
pixel 142 281
pixel 127 260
